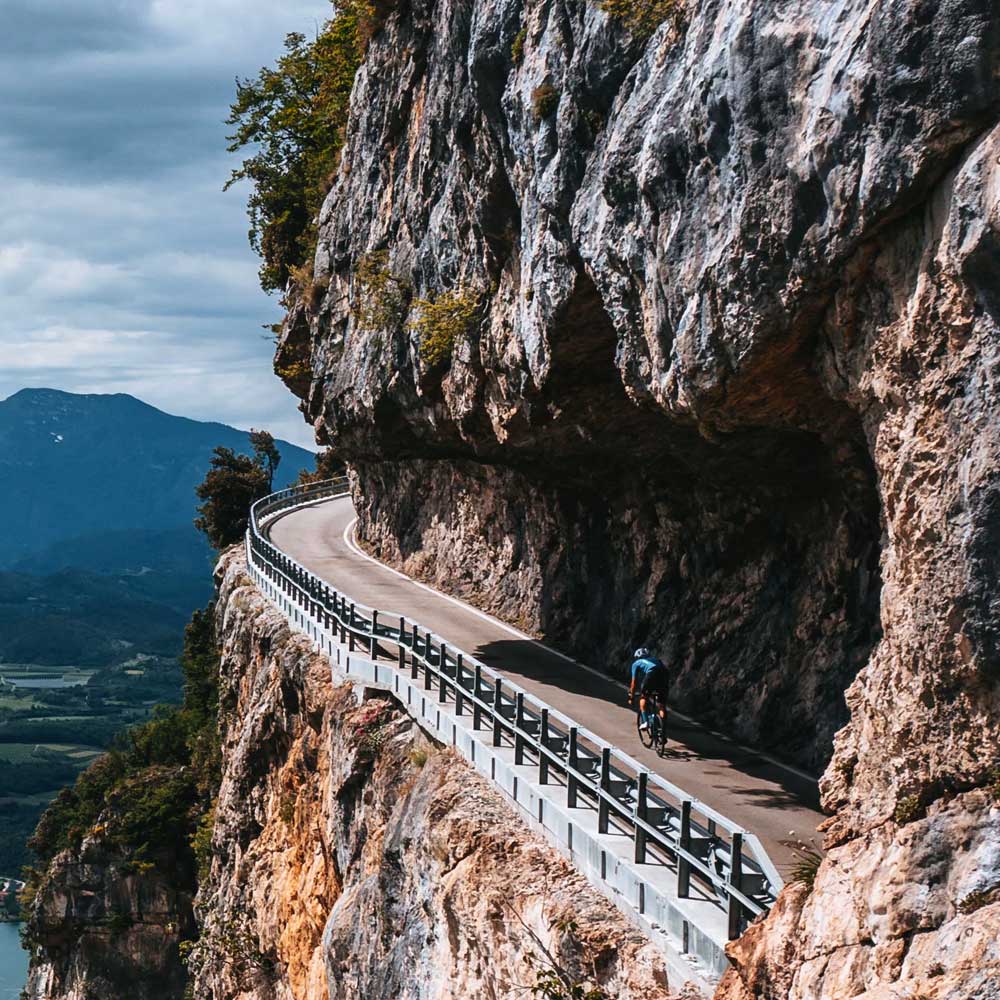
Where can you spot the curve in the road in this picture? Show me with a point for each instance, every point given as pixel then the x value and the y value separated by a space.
pixel 776 802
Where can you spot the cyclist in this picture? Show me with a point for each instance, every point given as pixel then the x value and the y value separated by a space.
pixel 649 675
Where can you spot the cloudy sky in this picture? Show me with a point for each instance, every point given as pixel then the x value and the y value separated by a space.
pixel 123 265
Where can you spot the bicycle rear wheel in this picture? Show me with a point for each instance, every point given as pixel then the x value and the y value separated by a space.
pixel 661 736
pixel 645 735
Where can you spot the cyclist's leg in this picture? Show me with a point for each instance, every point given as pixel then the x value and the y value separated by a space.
pixel 647 703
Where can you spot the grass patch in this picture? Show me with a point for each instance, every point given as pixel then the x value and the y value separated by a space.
pixel 443 321
pixel 544 101
pixel 908 809
pixel 517 46
pixel 642 17
pixel 805 866
pixel 17 753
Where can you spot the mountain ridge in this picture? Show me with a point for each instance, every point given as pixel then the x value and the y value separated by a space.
pixel 123 462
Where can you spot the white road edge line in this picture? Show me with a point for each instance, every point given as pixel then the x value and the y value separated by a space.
pixel 351 543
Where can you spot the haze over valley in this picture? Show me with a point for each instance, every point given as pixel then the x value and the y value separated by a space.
pixel 100 569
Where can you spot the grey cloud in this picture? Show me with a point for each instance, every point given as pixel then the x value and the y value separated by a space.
pixel 51 28
pixel 123 266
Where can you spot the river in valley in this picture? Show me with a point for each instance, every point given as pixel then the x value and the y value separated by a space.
pixel 13 962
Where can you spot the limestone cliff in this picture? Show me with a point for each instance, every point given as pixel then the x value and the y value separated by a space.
pixel 732 389
pixel 354 859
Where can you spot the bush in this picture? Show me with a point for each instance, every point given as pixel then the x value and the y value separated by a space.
pixel 442 322
pixel 310 290
pixel 908 809
pixel 544 101
pixel 201 843
pixel 380 298
pixel 517 46
pixel 328 466
pixel 978 899
pixel 643 17
pixel 993 783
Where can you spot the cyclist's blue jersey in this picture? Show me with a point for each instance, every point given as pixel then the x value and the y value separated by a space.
pixel 641 667
pixel 648 669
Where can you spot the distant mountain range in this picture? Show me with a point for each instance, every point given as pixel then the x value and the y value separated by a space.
pixel 106 482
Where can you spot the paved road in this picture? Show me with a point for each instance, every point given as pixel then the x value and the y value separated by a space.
pixel 777 803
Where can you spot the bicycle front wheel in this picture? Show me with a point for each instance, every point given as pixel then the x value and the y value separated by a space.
pixel 661 736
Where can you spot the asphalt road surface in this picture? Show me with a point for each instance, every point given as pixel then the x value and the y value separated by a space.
pixel 776 802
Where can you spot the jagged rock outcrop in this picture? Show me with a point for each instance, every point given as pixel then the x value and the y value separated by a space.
pixel 733 390
pixel 101 925
pixel 356 860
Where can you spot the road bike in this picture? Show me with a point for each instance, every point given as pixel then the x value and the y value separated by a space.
pixel 655 734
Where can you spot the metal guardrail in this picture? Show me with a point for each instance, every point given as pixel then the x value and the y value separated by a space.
pixel 666 825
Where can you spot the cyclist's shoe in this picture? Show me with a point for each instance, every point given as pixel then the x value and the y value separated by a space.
pixel 643 725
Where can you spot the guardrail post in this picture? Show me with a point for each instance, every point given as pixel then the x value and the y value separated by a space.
pixel 402 630
pixel 684 842
pixel 374 642
pixel 603 808
pixel 735 907
pixel 427 669
pixel 543 740
pixel 572 762
pixel 640 814
pixel 442 683
pixel 477 712
pixel 518 722
pixel 459 699
pixel 497 719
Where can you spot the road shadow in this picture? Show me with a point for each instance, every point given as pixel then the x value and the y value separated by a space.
pixel 689 741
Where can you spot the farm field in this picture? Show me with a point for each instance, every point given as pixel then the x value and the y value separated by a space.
pixel 55 721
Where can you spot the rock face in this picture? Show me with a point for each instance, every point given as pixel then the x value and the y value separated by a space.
pixel 911 911
pixel 100 926
pixel 718 282
pixel 733 390
pixel 355 860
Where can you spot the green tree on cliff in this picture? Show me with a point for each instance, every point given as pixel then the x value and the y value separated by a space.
pixel 229 488
pixel 266 454
pixel 293 116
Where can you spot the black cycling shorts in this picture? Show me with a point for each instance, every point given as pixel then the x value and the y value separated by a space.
pixel 656 689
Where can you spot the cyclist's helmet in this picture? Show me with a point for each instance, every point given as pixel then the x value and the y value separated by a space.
pixel 642 652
